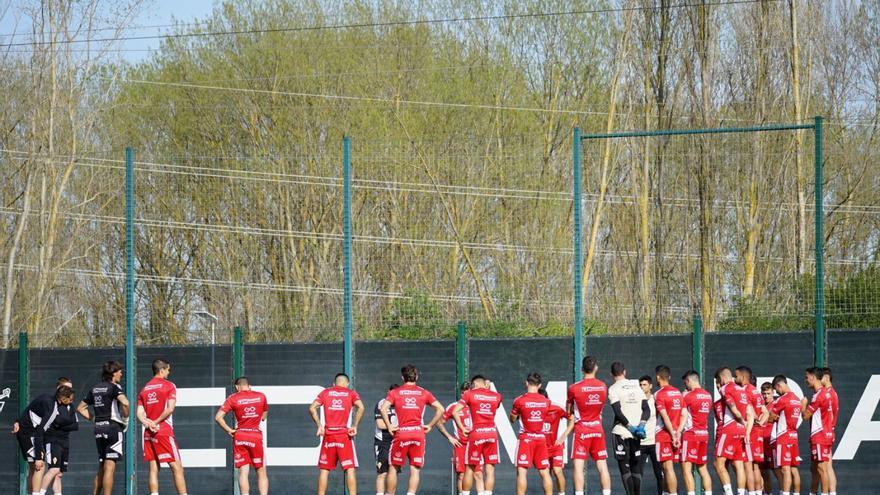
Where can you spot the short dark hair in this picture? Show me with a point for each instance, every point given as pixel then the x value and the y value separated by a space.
pixel 690 373
pixel 63 392
pixel 617 368
pixel 817 372
pixel 410 373
pixel 340 375
pixel 159 365
pixel 589 364
pixel 109 369
pixel 646 378
pixel 663 372
pixel 766 386
pixel 242 380
pixel 465 386
pixel 477 377
pixel 534 378
pixel 719 371
pixel 827 372
pixel 744 369
pixel 779 379
pixel 61 381
pixel 393 386
pixel 543 391
pixel 753 380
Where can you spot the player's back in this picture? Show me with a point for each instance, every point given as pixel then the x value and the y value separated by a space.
pixel 409 401
pixel 788 408
pixel 103 397
pixel 588 398
pixel 483 404
pixel 532 410
pixel 734 397
pixel 248 406
pixel 337 403
pixel 465 419
pixel 551 423
pixel 154 398
pixel 669 400
pixel 822 420
pixel 699 405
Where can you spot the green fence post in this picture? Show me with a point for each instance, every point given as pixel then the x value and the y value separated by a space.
pixel 697 353
pixel 348 348
pixel 130 351
pixel 578 253
pixel 237 371
pixel 819 340
pixel 461 374
pixel 23 392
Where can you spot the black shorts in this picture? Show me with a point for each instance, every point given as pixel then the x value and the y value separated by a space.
pixel 108 440
pixel 626 448
pixel 26 445
pixel 383 456
pixel 56 456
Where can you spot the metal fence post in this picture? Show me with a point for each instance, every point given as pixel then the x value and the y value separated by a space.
pixel 130 351
pixel 461 374
pixel 237 371
pixel 819 339
pixel 23 392
pixel 697 353
pixel 348 349
pixel 578 253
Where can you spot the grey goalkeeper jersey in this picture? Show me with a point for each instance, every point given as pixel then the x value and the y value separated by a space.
pixel 630 396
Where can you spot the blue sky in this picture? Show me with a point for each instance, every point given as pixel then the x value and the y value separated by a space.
pixel 155 12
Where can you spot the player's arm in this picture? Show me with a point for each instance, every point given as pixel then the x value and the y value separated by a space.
pixel 220 419
pixel 358 415
pixel 141 414
pixel 569 427
pixel 386 406
pixel 449 436
pixel 762 416
pixel 683 420
pixel 456 416
pixel 83 410
pixel 646 412
pixel 316 418
pixel 170 404
pixel 438 415
pixel 750 421
pixel 514 413
pixel 124 405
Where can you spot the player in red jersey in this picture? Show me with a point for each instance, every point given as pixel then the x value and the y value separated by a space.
pixel 734 426
pixel 786 410
pixel 766 466
pixel 459 442
pixel 695 432
pixel 409 401
pixel 482 445
pixel 827 379
pixel 531 410
pixel 337 431
pixel 820 412
pixel 555 443
pixel 669 404
pixel 745 378
pixel 155 406
pixel 250 409
pixel 587 398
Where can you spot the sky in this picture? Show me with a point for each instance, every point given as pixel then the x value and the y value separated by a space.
pixel 154 13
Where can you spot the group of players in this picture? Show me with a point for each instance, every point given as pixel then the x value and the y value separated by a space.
pixel 756 431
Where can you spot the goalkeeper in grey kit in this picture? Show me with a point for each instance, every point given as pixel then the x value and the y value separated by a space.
pixel 631 413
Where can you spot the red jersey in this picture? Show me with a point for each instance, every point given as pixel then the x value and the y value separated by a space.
pixel 532 411
pixel 733 396
pixel 822 420
pixel 756 400
pixel 718 407
pixel 835 405
pixel 409 401
pixel 667 399
pixel 248 407
pixel 483 403
pixel 588 398
pixel 336 404
pixel 788 408
pixel 154 397
pixel 699 405
pixel 551 423
pixel 465 418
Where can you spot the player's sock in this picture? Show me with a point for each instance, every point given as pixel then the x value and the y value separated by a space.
pixel 692 493
pixel 606 492
pixel 728 490
pixel 741 491
pixel 578 493
pixel 832 493
pixel 784 493
pixel 42 492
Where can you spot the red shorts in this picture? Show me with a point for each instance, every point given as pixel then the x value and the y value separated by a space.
pixel 337 448
pixel 757 449
pixel 408 448
pixel 767 462
pixel 820 453
pixel 785 455
pixel 589 443
pixel 556 453
pixel 247 449
pixel 160 447
pixel 458 458
pixel 666 452
pixel 532 451
pixel 481 451
pixel 694 451
pixel 730 447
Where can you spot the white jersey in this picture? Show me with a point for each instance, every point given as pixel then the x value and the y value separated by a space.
pixel 630 396
pixel 652 423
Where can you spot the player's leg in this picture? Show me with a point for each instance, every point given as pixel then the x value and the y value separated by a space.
pixel 414 478
pixel 604 475
pixel 687 473
pixel 786 479
pixel 669 475
pixel 467 479
pixel 153 477
pixel 832 478
pixel 635 464
pixel 380 483
pixel 109 471
pixel 705 478
pixel 323 477
pixel 351 480
pixel 559 475
pixel 768 481
pixel 489 478
pixel 178 476
pixel 741 479
pixel 49 478
pixel 622 455
pixel 795 480
pixel 814 477
pixel 262 480
pixel 522 480
pixel 391 479
pixel 56 485
pixel 546 481
pixel 98 482
pixel 244 483
pixel 658 469
pixel 479 482
pixel 577 475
